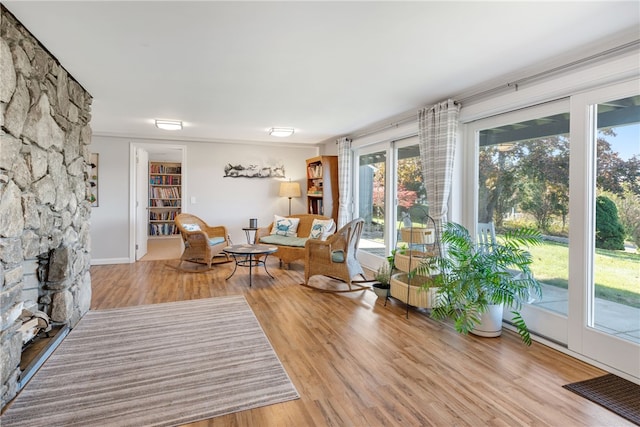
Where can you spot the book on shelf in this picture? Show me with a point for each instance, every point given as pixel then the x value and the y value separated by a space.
pixel 314 170
pixel 164 203
pixel 165 169
pixel 166 229
pixel 164 180
pixel 163 216
pixel 316 207
pixel 165 192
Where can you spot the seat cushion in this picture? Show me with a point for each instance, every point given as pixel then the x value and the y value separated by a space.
pixel 337 256
pixel 275 239
pixel 215 240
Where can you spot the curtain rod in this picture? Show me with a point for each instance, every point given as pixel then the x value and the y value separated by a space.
pixel 515 84
pixel 397 123
pixel 387 126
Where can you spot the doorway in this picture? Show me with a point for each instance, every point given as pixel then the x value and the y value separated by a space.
pixel 143 245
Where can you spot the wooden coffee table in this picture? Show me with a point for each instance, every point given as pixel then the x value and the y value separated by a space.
pixel 244 256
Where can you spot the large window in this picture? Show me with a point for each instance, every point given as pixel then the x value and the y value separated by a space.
pixel 523 177
pixel 571 169
pixel 389 180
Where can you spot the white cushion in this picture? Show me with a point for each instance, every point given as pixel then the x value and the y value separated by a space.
pixel 283 226
pixel 321 229
pixel 191 227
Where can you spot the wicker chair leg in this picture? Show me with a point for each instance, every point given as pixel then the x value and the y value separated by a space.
pixel 180 267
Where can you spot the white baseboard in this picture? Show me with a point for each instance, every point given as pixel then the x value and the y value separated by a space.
pixel 106 261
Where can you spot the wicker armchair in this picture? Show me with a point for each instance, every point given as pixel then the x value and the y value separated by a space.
pixel 336 258
pixel 201 241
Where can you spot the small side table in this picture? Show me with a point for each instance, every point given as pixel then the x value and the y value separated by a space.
pixel 247 231
pixel 244 257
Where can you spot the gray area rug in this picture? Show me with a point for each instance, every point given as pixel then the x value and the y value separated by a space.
pixel 161 364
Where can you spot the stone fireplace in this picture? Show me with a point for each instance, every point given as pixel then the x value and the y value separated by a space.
pixel 44 209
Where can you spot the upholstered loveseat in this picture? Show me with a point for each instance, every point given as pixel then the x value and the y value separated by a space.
pixel 291 248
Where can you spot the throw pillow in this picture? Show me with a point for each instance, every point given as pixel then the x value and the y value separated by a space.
pixel 284 226
pixel 191 227
pixel 321 229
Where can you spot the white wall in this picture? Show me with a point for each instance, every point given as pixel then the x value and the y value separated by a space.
pixel 219 200
pixel 110 220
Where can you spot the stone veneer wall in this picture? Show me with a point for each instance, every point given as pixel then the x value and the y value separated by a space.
pixel 44 212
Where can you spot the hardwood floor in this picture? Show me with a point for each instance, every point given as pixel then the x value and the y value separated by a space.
pixel 356 362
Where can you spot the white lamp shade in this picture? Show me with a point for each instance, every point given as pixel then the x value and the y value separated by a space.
pixel 289 189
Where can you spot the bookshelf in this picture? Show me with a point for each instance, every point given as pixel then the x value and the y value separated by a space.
pixel 165 198
pixel 322 186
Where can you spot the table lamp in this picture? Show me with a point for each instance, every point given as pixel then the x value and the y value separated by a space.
pixel 289 189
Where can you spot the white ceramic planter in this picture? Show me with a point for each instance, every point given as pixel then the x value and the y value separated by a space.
pixel 490 322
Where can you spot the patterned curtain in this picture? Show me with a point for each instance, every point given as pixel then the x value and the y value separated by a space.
pixel 437 131
pixel 344 181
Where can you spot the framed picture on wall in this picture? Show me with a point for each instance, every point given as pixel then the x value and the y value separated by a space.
pixel 93 180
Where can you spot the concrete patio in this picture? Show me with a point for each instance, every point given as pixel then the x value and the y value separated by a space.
pixel 611 317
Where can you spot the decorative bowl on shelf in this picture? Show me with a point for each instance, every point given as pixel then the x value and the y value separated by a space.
pixel 418 296
pixel 410 259
pixel 418 235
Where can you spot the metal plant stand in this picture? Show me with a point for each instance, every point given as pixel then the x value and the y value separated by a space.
pixel 421 242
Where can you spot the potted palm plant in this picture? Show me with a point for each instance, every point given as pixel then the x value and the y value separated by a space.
pixel 477 279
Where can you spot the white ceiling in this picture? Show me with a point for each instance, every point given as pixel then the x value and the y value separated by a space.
pixel 232 70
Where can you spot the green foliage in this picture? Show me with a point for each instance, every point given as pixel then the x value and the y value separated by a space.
pixel 497 175
pixel 628 205
pixel 613 172
pixel 533 176
pixel 609 231
pixel 383 274
pixel 521 327
pixel 471 276
pixel 410 175
pixel 543 175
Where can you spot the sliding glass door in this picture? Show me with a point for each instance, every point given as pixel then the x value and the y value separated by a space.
pixel 523 180
pixel 389 180
pixel 571 169
pixel 608 260
pixel 372 202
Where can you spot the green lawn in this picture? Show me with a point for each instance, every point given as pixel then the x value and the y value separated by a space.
pixel 617 273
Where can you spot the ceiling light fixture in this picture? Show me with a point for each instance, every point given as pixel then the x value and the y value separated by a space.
pixel 281 132
pixel 169 124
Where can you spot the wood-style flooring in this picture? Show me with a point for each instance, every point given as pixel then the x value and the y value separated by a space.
pixel 357 362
